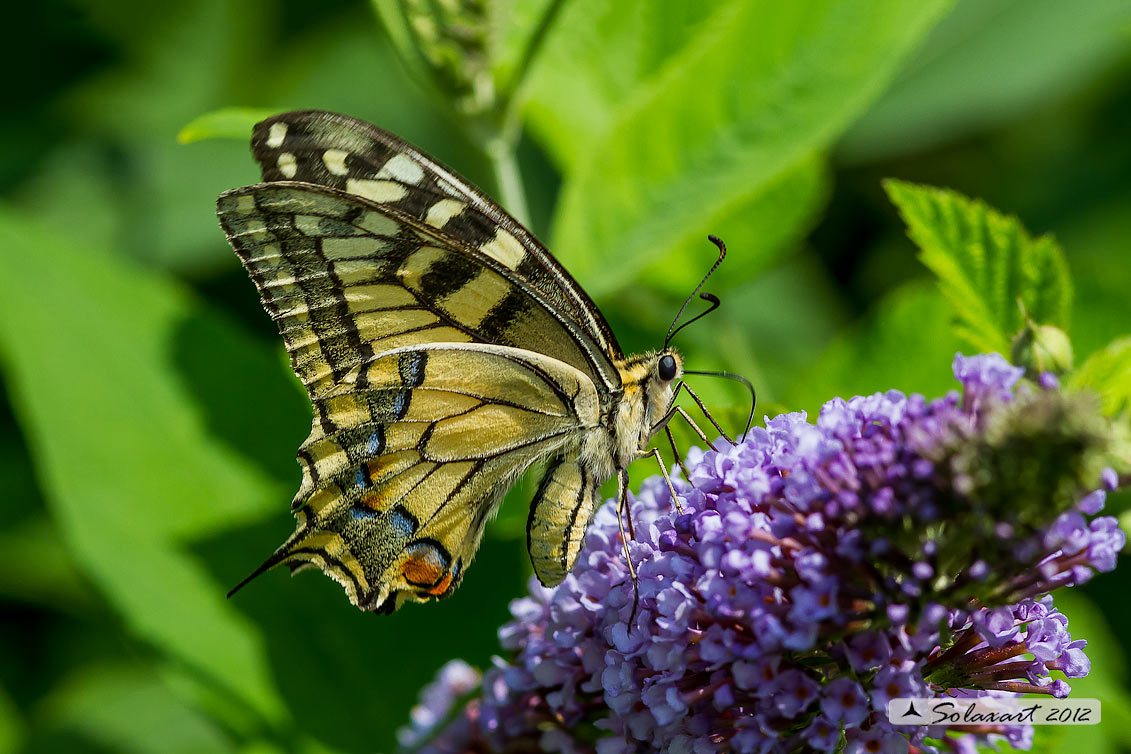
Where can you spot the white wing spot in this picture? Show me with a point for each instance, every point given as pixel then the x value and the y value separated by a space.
pixel 335 161
pixel 378 224
pixel 276 134
pixel 281 280
pixel 505 249
pixel 378 191
pixel 402 168
pixel 309 225
pixel 254 231
pixel 288 165
pixel 346 248
pixel 442 211
pixel 245 204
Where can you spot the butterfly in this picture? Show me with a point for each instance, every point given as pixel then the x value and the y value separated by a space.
pixel 445 352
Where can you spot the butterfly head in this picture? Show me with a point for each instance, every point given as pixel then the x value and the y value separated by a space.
pixel 666 370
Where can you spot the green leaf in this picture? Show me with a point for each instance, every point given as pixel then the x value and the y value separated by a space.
pixel 128 709
pixel 227 123
pixel 759 88
pixel 519 33
pixel 134 108
pixel 392 17
pixel 1098 238
pixel 757 233
pixel 595 59
pixel 36 567
pixel 991 62
pixel 128 467
pixel 11 725
pixel 986 263
pixel 1108 372
pixel 762 333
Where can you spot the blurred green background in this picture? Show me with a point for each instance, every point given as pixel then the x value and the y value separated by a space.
pixel 148 419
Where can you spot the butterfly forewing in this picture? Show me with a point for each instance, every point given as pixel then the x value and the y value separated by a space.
pixel 345 280
pixel 335 150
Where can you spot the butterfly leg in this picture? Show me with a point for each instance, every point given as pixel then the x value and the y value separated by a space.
pixel 655 453
pixel 628 510
pixel 678 457
pixel 622 511
pixel 679 410
pixel 706 413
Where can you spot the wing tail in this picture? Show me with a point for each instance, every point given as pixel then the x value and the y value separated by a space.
pixel 281 555
pixel 311 545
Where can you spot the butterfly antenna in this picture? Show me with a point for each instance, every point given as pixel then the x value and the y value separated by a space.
pixel 285 550
pixel 737 378
pixel 712 299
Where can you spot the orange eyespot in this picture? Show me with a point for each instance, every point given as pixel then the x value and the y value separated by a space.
pixel 422 570
pixel 427 566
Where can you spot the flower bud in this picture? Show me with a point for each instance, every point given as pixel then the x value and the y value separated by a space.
pixel 1041 348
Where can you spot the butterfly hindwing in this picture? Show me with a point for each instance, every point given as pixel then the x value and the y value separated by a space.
pixel 336 150
pixel 345 280
pixel 410 456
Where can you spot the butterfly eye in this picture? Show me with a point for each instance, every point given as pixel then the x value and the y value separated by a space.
pixel 667 368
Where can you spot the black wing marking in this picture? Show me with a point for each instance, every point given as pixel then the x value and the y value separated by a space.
pixel 346 279
pixel 335 150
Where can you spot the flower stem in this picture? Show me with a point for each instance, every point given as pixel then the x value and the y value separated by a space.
pixel 508 177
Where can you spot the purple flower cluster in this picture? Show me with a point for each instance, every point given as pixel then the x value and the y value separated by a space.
pixel 897 547
pixel 441 720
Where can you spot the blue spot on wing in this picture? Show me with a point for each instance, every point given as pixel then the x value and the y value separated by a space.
pixel 361 513
pixel 376 444
pixel 411 366
pixel 400 404
pixel 402 522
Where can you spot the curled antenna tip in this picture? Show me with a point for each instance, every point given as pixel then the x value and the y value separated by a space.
pixel 708 297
